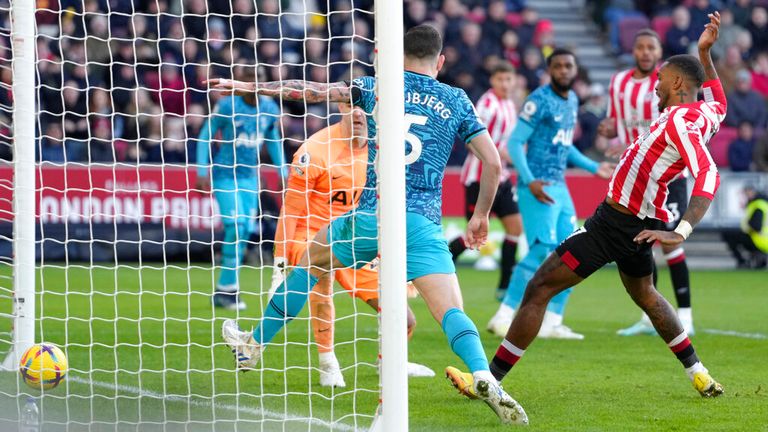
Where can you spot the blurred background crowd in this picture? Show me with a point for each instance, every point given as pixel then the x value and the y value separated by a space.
pixel 123 80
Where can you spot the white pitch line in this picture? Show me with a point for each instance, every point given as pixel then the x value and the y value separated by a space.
pixel 736 334
pixel 208 404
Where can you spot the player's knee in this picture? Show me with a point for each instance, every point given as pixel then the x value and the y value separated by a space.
pixel 411 323
pixel 541 251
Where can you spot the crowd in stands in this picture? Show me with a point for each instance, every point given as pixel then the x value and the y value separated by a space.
pixel 741 57
pixel 122 86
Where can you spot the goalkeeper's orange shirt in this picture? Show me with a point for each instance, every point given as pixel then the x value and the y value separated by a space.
pixel 326 179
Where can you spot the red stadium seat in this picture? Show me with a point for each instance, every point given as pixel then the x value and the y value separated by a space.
pixel 661 24
pixel 629 27
pixel 718 146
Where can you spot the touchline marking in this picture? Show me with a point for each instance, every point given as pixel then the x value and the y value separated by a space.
pixel 736 334
pixel 208 404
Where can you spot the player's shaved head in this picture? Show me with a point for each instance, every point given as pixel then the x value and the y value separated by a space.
pixel 679 80
pixel 423 42
pixel 689 67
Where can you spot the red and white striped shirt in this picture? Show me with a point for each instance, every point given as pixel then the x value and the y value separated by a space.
pixel 633 104
pixel 500 116
pixel 676 140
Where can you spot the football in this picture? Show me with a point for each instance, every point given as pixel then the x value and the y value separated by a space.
pixel 43 366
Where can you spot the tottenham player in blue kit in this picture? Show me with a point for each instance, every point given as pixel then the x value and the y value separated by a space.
pixel 241 124
pixel 435 114
pixel 547 121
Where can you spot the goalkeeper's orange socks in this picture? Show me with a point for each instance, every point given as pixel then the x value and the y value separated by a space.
pixel 464 340
pixel 323 314
pixel 287 302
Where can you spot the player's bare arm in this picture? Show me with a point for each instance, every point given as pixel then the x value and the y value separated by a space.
pixel 477 229
pixel 291 90
pixel 706 40
pixel 697 208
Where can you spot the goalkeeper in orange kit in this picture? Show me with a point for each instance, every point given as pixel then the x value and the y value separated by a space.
pixel 327 176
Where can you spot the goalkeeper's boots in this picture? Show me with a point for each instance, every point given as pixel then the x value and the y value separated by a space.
pixel 638 328
pixel 228 300
pixel 247 352
pixel 464 382
pixel 706 385
pixel 330 373
pixel 508 410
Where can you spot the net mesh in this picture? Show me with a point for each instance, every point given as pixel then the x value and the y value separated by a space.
pixel 130 238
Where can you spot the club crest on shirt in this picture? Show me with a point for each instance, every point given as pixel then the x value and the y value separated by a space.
pixel 529 109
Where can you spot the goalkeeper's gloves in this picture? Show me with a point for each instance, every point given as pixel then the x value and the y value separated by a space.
pixel 278 274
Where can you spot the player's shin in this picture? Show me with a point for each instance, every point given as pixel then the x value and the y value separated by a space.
pixel 508 260
pixel 323 314
pixel 289 299
pixel 464 340
pixel 232 251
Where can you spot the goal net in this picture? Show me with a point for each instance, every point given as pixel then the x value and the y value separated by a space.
pixel 134 231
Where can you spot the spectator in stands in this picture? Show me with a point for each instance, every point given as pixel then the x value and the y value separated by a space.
pixel 495 26
pixel 749 244
pixel 680 35
pixel 174 147
pixel 745 104
pixel 760 73
pixel 52 145
pixel 591 113
pixel 454 13
pixel 760 156
pixel 172 94
pixel 194 22
pixel 729 32
pixel 758 27
pixel 742 12
pixel 100 145
pixel 75 111
pixel 532 68
pixel 744 42
pixel 416 13
pixel 470 49
pixel 527 29
pixel 729 66
pixel 243 19
pixel 699 13
pixel 509 45
pixel 741 150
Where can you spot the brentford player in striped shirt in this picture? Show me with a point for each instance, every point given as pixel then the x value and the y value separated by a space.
pixel 625 226
pixel 497 110
pixel 631 110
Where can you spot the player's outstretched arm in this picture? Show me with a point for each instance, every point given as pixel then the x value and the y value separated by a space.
pixel 706 40
pixel 602 169
pixel 291 90
pixel 477 229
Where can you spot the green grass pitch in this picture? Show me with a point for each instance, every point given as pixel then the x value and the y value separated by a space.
pixel 164 327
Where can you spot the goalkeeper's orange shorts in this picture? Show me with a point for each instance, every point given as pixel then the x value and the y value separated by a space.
pixel 362 283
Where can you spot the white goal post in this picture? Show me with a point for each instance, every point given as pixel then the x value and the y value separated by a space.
pixel 163 385
pixel 23 44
